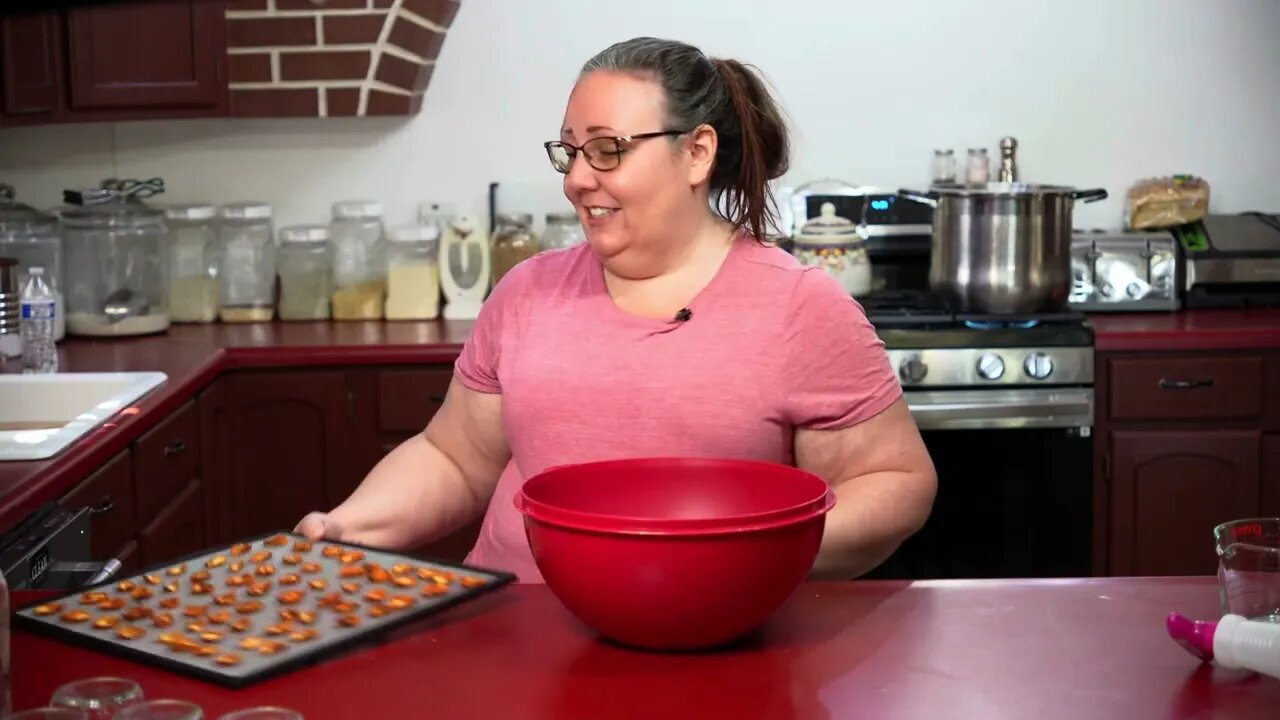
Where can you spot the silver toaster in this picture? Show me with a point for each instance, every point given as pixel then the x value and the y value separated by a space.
pixel 1124 271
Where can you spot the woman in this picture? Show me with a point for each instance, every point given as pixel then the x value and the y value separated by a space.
pixel 673 331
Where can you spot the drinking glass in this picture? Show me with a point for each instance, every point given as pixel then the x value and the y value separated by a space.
pixel 161 710
pixel 263 713
pixel 98 697
pixel 49 713
pixel 1249 568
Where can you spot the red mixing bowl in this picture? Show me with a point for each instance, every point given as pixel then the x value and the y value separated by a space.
pixel 674 553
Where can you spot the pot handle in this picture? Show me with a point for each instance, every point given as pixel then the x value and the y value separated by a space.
pixel 1089 195
pixel 920 197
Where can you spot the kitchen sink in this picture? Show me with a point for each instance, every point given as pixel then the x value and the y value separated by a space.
pixel 41 414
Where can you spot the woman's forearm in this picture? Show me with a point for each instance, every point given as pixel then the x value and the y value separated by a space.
pixel 873 515
pixel 412 496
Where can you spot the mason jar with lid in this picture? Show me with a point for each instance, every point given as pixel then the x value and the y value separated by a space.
pixel 359 272
pixel 563 230
pixel 193 263
pixel 117 267
pixel 31 237
pixel 306 264
pixel 413 273
pixel 513 242
pixel 246 263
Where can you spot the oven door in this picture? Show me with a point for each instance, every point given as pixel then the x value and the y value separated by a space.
pixel 1014 486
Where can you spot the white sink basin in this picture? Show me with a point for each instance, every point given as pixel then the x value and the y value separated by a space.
pixel 42 414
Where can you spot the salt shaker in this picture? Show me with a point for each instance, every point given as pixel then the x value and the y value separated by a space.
pixel 979 171
pixel 1008 166
pixel 944 167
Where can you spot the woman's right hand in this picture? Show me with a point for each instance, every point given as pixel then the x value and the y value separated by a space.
pixel 319 526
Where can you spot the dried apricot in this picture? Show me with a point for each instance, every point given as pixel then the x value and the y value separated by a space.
pixel 345 607
pixel 130 632
pixel 162 620
pixel 241 624
pixel 251 643
pixel 211 636
pixel 350 587
pixel 291 559
pixel 332 551
pixel 349 571
pixel 92 598
pixel 276 540
pixel 170 603
pixel 225 599
pixel 431 589
pixel 401 569
pixel 238 580
pixel 195 627
pixel 349 620
pixel 303 634
pixel 172 587
pixel 219 617
pixel 259 588
pixel 235 566
pixel 302 546
pixel 227 659
pixel 265 569
pixel 125 585
pixel 271 647
pixel 106 622
pixel 289 597
pixel 260 557
pixel 176 570
pixel 403 581
pixel 311 567
pixel 201 589
pixel 137 612
pixel 376 595
pixel 141 593
pixel 470 581
pixel 277 629
pixel 400 602
pixel 192 611
pixel 151 579
pixel 205 650
pixel 240 548
pixel 379 574
pixel 351 556
pixel 377 611
pixel 114 603
pixel 318 584
pixel 249 607
pixel 216 561
pixel 289 579
pixel 48 608
pixel 306 617
pixel 200 576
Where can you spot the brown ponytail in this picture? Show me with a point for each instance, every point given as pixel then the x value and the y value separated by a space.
pixel 762 151
pixel 730 97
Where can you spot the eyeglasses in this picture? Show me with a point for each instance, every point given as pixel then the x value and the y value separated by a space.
pixel 602 153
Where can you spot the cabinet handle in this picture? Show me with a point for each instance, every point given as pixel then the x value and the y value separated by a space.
pixel 107 506
pixel 175 447
pixel 1185 384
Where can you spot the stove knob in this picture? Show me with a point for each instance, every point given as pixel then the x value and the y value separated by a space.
pixel 990 366
pixel 1038 365
pixel 912 369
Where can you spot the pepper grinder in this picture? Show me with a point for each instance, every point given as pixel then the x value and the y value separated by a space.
pixel 1008 167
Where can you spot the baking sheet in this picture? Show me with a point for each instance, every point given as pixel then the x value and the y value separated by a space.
pixel 177 583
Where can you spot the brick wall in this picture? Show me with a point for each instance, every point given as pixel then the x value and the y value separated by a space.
pixel 332 58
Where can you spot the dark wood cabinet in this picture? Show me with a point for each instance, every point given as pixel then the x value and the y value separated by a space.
pixel 177 531
pixel 1170 488
pixel 275 449
pixel 1270 503
pixel 109 494
pixel 146 54
pixel 31 64
pixel 165 460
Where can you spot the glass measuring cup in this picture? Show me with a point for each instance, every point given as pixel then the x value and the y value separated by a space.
pixel 1249 568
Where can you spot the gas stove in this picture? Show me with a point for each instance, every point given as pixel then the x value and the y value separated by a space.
pixel 975 371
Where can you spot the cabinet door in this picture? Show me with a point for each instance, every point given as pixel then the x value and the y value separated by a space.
pixel 177 531
pixel 1270 475
pixel 1169 489
pixel 275 443
pixel 31 47
pixel 109 491
pixel 146 54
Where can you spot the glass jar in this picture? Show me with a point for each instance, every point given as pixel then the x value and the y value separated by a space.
pixel 31 237
pixel 979 171
pixel 413 273
pixel 306 266
pixel 117 268
pixel 563 230
pixel 246 263
pixel 944 167
pixel 359 272
pixel 513 242
pixel 193 263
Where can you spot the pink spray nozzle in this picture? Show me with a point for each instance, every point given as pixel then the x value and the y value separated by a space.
pixel 1194 635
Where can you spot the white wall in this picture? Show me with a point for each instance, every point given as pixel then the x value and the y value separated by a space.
pixel 1098 92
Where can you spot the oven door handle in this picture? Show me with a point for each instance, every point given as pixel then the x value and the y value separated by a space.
pixel 1038 407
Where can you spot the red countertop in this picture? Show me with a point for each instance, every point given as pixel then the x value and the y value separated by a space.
pixel 193 356
pixel 1187 330
pixel 967 649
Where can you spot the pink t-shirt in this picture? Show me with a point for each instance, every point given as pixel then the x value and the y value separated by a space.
pixel 768 346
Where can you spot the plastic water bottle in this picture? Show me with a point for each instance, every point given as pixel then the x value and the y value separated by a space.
pixel 39 353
